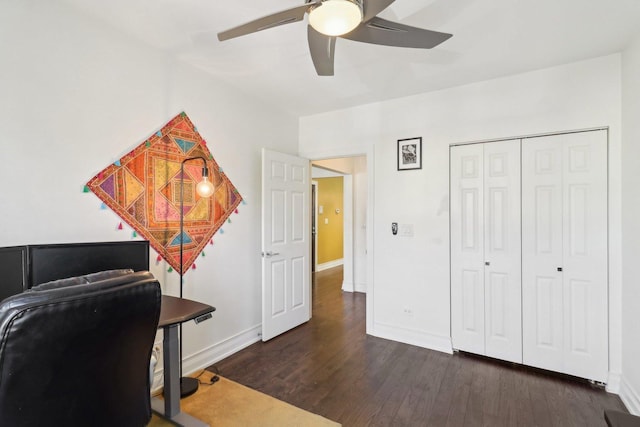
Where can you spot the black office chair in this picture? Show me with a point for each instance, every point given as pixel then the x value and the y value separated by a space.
pixel 76 352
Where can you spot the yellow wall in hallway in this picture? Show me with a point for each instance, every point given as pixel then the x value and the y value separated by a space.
pixel 330 224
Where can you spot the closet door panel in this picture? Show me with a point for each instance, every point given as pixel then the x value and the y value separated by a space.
pixel 472 309
pixel 467 246
pixel 542 252
pixel 503 325
pixel 585 255
pixel 564 253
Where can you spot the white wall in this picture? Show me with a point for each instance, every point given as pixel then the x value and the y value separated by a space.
pixel 343 165
pixel 630 387
pixel 75 95
pixel 413 273
pixel 317 172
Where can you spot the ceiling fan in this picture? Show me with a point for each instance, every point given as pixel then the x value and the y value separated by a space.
pixel 350 19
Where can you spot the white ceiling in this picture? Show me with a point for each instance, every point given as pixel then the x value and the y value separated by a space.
pixel 491 38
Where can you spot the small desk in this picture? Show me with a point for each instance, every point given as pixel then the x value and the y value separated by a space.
pixel 173 312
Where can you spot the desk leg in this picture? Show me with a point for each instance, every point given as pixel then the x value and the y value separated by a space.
pixel 172 382
pixel 171 371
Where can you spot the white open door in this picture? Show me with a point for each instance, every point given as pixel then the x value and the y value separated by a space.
pixel 286 284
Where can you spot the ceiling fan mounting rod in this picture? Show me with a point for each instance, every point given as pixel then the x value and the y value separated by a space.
pixel 317 3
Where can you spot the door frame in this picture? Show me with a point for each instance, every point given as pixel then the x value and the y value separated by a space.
pixel 314 225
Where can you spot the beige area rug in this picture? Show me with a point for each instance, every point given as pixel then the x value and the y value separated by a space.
pixel 229 404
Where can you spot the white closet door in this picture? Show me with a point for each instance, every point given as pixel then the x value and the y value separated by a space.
pixel 485 249
pixel 542 295
pixel 564 185
pixel 467 248
pixel 502 256
pixel 585 255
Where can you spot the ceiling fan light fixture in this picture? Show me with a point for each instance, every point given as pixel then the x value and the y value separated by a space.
pixel 336 17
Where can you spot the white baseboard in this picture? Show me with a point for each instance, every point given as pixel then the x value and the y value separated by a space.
pixel 208 356
pixel 630 397
pixel 613 383
pixel 330 264
pixel 354 287
pixel 408 336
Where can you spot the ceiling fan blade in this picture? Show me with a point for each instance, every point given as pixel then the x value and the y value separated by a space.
pixel 374 7
pixel 322 50
pixel 281 18
pixel 388 33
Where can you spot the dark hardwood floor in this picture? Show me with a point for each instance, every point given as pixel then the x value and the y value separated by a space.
pixel 329 366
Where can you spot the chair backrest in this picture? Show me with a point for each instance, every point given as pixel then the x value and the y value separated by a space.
pixel 77 353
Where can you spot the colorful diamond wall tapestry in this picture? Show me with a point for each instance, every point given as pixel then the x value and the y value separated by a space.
pixel 143 188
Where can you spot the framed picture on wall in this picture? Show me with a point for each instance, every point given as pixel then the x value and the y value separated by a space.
pixel 409 154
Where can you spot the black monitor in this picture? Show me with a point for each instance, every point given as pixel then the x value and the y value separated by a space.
pixel 13 271
pixel 59 261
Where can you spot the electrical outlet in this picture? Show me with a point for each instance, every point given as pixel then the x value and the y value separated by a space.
pixel 407 311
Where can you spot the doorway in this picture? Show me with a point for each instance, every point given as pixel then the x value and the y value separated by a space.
pixel 353 213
